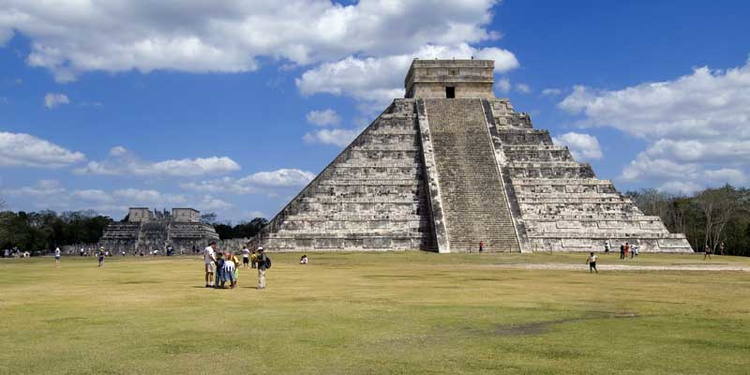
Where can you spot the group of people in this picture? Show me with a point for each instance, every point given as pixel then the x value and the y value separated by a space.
pixel 223 267
pixel 625 248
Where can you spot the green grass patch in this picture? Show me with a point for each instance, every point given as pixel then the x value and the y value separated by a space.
pixel 394 312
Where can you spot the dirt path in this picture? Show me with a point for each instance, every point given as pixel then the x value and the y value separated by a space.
pixel 622 267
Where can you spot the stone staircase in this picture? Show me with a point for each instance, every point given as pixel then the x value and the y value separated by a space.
pixel 473 197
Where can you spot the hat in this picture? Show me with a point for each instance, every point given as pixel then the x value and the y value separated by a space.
pixel 260 248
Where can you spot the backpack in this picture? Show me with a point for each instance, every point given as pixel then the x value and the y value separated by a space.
pixel 268 262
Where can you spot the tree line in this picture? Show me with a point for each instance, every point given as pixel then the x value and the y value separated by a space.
pixel 45 230
pixel 708 218
pixel 226 230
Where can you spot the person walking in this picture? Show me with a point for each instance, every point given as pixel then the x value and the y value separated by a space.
pixel 706 252
pixel 591 260
pixel 245 257
pixel 58 253
pixel 264 263
pixel 209 260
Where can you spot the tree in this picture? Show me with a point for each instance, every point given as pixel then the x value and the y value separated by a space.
pixel 209 218
pixel 718 207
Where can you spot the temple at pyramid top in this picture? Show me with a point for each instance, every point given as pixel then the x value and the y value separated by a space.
pixel 448 79
pixel 451 168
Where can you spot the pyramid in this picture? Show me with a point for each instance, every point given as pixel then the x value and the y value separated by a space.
pixel 451 165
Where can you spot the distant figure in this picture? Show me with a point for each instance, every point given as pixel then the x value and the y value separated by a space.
pixel 209 259
pixel 122 253
pixel 627 249
pixel 264 263
pixel 58 254
pixel 100 255
pixel 721 248
pixel 481 246
pixel 633 249
pixel 592 262
pixel 606 246
pixel 245 257
pixel 706 252
pixel 303 260
pixel 622 251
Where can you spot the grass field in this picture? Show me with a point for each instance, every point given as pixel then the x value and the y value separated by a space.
pixel 409 313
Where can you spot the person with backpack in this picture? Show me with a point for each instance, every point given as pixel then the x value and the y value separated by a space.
pixel 264 263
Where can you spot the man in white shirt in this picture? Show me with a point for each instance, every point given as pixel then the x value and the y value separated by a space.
pixel 245 257
pixel 591 260
pixel 209 258
pixel 57 256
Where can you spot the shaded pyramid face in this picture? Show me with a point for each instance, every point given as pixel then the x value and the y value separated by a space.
pixel 449 167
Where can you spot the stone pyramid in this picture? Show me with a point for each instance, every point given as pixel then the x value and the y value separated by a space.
pixel 451 165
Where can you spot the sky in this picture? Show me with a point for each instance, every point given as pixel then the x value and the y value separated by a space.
pixel 232 106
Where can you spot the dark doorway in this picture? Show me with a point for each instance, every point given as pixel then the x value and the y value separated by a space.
pixel 450 92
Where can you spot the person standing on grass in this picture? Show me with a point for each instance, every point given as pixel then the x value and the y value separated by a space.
pixel 606 246
pixel 592 262
pixel 209 260
pixel 264 263
pixel 245 257
pixel 253 260
pixel 57 256
pixel 219 268
pixel 101 256
pixel 706 252
pixel 622 251
pixel 481 246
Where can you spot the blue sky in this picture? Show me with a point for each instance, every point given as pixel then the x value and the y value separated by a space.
pixel 233 106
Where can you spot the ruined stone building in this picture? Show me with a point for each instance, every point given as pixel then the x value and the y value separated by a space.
pixel 146 230
pixel 451 165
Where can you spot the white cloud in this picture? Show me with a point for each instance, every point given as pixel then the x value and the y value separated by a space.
pixel 70 37
pixel 20 149
pixel 260 182
pixel 697 126
pixel 551 92
pixel 503 85
pixel 582 146
pixel 378 80
pixel 123 162
pixel 52 100
pixel 43 188
pixel 324 117
pixel 337 137
pixel 523 88
pixel 51 194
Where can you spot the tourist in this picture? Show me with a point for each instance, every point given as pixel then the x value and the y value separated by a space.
pixel 606 247
pixel 58 253
pixel 219 268
pixel 303 260
pixel 100 255
pixel 236 272
pixel 592 262
pixel 626 250
pixel 636 249
pixel 264 263
pixel 721 248
pixel 245 257
pixel 228 269
pixel 633 249
pixel 481 246
pixel 622 251
pixel 209 260
pixel 706 252
pixel 253 260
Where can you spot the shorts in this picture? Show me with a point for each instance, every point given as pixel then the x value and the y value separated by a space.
pixel 57 258
pixel 592 265
pixel 245 260
pixel 211 267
